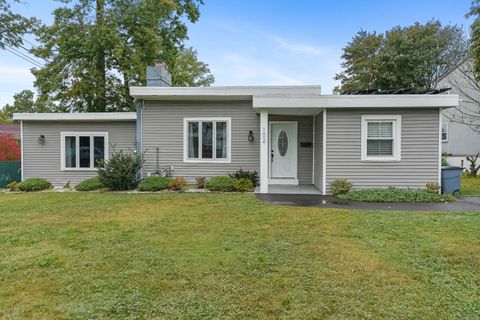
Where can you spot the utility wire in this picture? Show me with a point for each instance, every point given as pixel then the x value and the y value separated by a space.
pixel 20 54
pixel 30 50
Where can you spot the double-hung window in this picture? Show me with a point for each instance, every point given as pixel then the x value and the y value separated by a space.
pixel 381 138
pixel 83 150
pixel 207 139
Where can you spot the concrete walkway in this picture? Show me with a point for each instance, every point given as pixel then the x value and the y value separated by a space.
pixel 319 201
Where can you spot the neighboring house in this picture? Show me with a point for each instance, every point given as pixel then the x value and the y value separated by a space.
pixel 292 135
pixel 458 138
pixel 10 129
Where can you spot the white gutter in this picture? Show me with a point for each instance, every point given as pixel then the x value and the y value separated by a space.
pixel 90 116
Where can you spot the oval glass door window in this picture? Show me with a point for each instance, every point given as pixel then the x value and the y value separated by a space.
pixel 282 143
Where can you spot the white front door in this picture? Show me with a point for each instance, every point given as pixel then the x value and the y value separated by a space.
pixel 283 157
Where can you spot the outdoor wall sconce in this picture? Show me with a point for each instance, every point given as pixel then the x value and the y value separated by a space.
pixel 250 136
pixel 41 139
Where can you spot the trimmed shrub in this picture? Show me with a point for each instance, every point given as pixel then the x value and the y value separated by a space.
pixel 154 183
pixel 220 183
pixel 201 182
pixel 34 184
pixel 243 185
pixel 432 187
pixel 177 184
pixel 396 195
pixel 244 174
pixel 90 184
pixel 340 186
pixel 120 171
pixel 13 186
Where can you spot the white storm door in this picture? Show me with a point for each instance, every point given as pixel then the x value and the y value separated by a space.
pixel 283 157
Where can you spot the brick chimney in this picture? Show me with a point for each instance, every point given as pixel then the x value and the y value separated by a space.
pixel 158 75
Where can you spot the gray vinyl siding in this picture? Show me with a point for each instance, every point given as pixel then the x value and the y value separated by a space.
pixel 419 150
pixel 318 164
pixel 462 139
pixel 163 124
pixel 305 154
pixel 44 160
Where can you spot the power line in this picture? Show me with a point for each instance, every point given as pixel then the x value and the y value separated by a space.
pixel 30 50
pixel 20 54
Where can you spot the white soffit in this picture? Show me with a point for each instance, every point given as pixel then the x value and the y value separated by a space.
pixel 358 101
pixel 87 116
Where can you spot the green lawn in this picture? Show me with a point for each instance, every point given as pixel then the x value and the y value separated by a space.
pixel 470 186
pixel 196 256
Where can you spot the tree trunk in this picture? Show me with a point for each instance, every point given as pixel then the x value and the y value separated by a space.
pixel 126 87
pixel 100 99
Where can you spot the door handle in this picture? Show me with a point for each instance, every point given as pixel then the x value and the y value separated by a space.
pixel 272 156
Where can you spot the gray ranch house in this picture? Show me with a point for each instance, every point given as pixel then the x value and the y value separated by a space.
pixel 292 135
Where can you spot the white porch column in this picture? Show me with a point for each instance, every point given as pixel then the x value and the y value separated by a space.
pixel 264 151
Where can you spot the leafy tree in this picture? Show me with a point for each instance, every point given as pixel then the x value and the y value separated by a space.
pixel 463 81
pixel 403 57
pixel 475 37
pixel 188 71
pixel 13 26
pixel 97 48
pixel 9 148
pixel 25 101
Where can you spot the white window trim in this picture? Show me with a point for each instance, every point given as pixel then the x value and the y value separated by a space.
pixel 397 137
pixel 228 120
pixel 82 134
pixel 446 131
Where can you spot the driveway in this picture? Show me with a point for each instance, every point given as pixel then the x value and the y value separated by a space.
pixel 319 201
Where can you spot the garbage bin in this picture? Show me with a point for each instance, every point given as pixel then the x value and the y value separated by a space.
pixel 451 179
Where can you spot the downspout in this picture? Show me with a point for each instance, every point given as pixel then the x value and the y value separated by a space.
pixel 22 159
pixel 139 131
pixel 324 155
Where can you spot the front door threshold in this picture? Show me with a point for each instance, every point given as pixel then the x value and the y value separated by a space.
pixel 289 181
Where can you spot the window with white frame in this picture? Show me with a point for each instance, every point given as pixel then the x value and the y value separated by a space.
pixel 207 139
pixel 445 132
pixel 83 150
pixel 381 138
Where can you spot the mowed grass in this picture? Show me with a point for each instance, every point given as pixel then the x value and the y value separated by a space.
pixel 202 256
pixel 470 186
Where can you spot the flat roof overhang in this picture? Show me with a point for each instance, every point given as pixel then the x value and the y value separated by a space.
pixel 86 116
pixel 300 100
pixel 220 92
pixel 311 105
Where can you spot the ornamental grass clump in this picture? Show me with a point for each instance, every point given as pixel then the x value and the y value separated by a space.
pixel 177 184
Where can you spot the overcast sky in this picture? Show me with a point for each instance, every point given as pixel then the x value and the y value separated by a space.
pixel 268 41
